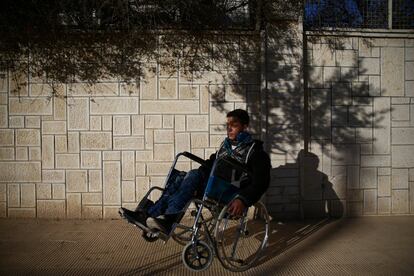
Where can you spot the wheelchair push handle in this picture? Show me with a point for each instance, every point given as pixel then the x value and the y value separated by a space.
pixel 192 157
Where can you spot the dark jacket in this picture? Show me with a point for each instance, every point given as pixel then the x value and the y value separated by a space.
pixel 252 186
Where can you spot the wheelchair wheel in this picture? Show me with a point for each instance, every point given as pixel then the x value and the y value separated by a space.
pixel 240 241
pixel 197 256
pixel 149 237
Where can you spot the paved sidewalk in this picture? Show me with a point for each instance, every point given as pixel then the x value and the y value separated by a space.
pixel 361 246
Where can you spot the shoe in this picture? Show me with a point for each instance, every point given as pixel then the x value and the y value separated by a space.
pixel 138 217
pixel 162 223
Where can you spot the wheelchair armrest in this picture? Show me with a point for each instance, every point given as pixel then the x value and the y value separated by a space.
pixel 237 165
pixel 193 157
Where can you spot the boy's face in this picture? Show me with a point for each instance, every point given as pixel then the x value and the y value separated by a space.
pixel 234 127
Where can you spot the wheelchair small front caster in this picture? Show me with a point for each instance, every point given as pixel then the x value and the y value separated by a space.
pixel 197 256
pixel 149 237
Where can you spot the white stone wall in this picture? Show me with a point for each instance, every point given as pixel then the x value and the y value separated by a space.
pixel 362 118
pixel 92 149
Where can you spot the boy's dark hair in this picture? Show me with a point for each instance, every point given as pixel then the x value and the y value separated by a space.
pixel 241 115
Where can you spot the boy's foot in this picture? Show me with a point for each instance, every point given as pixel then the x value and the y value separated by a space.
pixel 162 223
pixel 138 217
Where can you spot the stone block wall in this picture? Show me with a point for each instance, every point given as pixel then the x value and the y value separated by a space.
pixel 92 149
pixel 362 107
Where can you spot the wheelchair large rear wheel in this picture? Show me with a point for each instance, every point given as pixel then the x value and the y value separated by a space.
pixel 241 241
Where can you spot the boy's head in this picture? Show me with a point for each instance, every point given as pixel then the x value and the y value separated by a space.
pixel 237 121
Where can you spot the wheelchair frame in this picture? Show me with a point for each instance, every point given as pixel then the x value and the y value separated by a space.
pixel 196 249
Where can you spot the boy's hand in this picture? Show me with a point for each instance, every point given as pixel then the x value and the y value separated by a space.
pixel 236 207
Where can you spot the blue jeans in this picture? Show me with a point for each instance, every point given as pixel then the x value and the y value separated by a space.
pixel 178 193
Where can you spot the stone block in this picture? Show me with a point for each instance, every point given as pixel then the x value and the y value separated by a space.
pixel 402 136
pixel 111 212
pixel 346 155
pixel 368 179
pixel 128 191
pixel 20 172
pixel 44 191
pixel 384 205
pixel 129 143
pixel 22 213
pixel 354 209
pixel 374 84
pixel 170 107
pixel 167 121
pixel 92 199
pixel 13 195
pixel 95 123
pixel 129 89
pixel 180 122
pixel 73 142
pixel 369 66
pixel 3 116
pixel 400 202
pixel 96 140
pixel 67 161
pixel 375 160
pixel 111 155
pixel 162 136
pixel 144 155
pixel 74 206
pixel 59 108
pixel 364 135
pixel 149 139
pixel 91 159
pixel 409 71
pixel 402 156
pixel 384 171
pixel 158 169
pixel 95 181
pixel 53 127
pixel 128 165
pixel 3 192
pixel 355 195
pixel 409 52
pixel 182 142
pixel 6 153
pixel 392 71
pixel 352 177
pixel 216 140
pixel 411 197
pixel 22 153
pixel 323 55
pixel 27 137
pixel 341 93
pixel 384 185
pixel 58 191
pixel 76 181
pixel 92 212
pixel 400 112
pixel 6 137
pixel 168 89
pixel 149 83
pixel 339 115
pixel 111 183
pixel 199 140
pixel 78 114
pixel 30 106
pixel 114 105
pixel 53 176
pixel 137 125
pixel 122 125
pixel 107 123
pixel 16 122
pixel 409 88
pixel 382 129
pixel 61 144
pixel 197 123
pixel 51 209
pixel 399 179
pixel 331 74
pixel 188 92
pixel 97 89
pixel 204 100
pixel 218 113
pixel 142 186
pixel 370 202
pixel 140 168
pixel 153 121
pixel 163 152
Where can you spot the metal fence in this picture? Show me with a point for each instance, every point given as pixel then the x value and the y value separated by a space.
pixel 372 14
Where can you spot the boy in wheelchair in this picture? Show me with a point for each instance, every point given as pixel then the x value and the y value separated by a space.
pixel 182 187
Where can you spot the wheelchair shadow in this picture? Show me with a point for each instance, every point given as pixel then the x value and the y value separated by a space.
pixel 285 235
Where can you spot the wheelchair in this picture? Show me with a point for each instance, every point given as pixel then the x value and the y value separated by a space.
pixel 207 229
